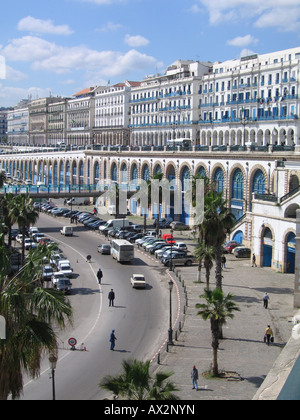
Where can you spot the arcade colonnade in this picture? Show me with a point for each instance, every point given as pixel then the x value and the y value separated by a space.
pixel 242 178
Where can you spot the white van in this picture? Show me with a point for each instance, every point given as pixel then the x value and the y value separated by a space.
pixel 115 223
pixel 67 231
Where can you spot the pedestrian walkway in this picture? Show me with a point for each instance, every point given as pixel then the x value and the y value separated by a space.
pixel 242 351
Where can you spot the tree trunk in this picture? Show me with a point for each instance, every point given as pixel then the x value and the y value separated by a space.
pixel 199 271
pixel 218 256
pixel 215 346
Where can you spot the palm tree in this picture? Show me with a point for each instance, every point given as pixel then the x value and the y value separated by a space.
pixel 217 223
pixel 217 309
pixel 29 311
pixel 206 254
pixel 7 204
pixel 24 214
pixel 135 383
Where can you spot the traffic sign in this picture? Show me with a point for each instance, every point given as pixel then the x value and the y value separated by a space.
pixel 72 342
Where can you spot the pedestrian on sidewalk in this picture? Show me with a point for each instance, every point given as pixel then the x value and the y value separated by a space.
pixel 254 260
pixel 194 376
pixel 223 261
pixel 111 297
pixel 266 300
pixel 268 335
pixel 112 340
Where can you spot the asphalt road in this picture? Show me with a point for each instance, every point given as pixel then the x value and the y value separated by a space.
pixel 140 317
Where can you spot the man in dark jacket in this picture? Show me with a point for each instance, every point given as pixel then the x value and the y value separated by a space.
pixel 111 297
pixel 99 275
pixel 112 340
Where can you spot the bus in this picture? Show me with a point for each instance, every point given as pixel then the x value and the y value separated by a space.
pixel 184 144
pixel 122 250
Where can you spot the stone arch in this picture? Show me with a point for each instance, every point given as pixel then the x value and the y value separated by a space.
pixel 221 186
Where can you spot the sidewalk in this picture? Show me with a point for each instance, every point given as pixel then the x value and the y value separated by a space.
pixel 242 351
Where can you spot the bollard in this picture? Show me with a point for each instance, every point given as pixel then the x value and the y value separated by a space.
pixel 167 347
pixel 176 335
pixel 179 326
pixel 179 277
pixel 158 359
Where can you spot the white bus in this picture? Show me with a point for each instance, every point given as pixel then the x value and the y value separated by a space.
pixel 122 251
pixel 184 144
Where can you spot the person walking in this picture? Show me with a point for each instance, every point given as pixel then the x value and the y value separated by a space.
pixel 112 340
pixel 99 275
pixel 194 376
pixel 266 300
pixel 254 260
pixel 223 261
pixel 111 297
pixel 268 335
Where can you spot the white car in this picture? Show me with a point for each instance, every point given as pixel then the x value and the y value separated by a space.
pixel 138 281
pixel 37 237
pixel 29 244
pixel 57 276
pixel 66 269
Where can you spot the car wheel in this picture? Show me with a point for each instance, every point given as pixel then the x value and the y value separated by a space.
pixel 188 263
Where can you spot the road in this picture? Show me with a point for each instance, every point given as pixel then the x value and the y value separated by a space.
pixel 139 317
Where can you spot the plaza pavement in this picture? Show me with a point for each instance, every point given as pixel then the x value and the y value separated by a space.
pixel 242 351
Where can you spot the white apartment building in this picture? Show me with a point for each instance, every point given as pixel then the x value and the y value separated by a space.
pixel 80 118
pixel 57 122
pixel 18 124
pixel 112 114
pixel 252 99
pixel 165 106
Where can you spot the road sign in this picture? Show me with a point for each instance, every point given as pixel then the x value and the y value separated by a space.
pixel 72 342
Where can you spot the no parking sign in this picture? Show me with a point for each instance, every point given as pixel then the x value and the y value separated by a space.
pixel 72 342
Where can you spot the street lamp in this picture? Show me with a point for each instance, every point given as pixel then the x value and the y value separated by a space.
pixel 170 332
pixel 52 363
pixel 171 259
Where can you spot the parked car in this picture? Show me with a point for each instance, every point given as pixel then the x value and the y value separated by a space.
pixel 179 258
pixel 58 275
pixel 159 253
pixel 37 237
pixel 138 281
pixel 180 246
pixel 179 226
pixel 242 253
pixel 157 245
pixel 104 249
pixel 47 273
pixel 64 285
pixel 230 245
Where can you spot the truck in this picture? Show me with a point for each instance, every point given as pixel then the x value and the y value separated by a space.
pixel 115 223
pixel 78 200
pixel 67 231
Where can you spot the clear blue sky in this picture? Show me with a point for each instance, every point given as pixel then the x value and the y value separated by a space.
pixel 64 46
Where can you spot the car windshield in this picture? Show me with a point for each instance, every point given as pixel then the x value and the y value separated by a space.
pixel 106 246
pixel 139 278
pixel 64 282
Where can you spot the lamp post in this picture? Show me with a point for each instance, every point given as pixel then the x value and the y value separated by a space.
pixel 170 332
pixel 52 363
pixel 171 259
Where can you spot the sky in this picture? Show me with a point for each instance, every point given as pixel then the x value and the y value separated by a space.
pixel 59 47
